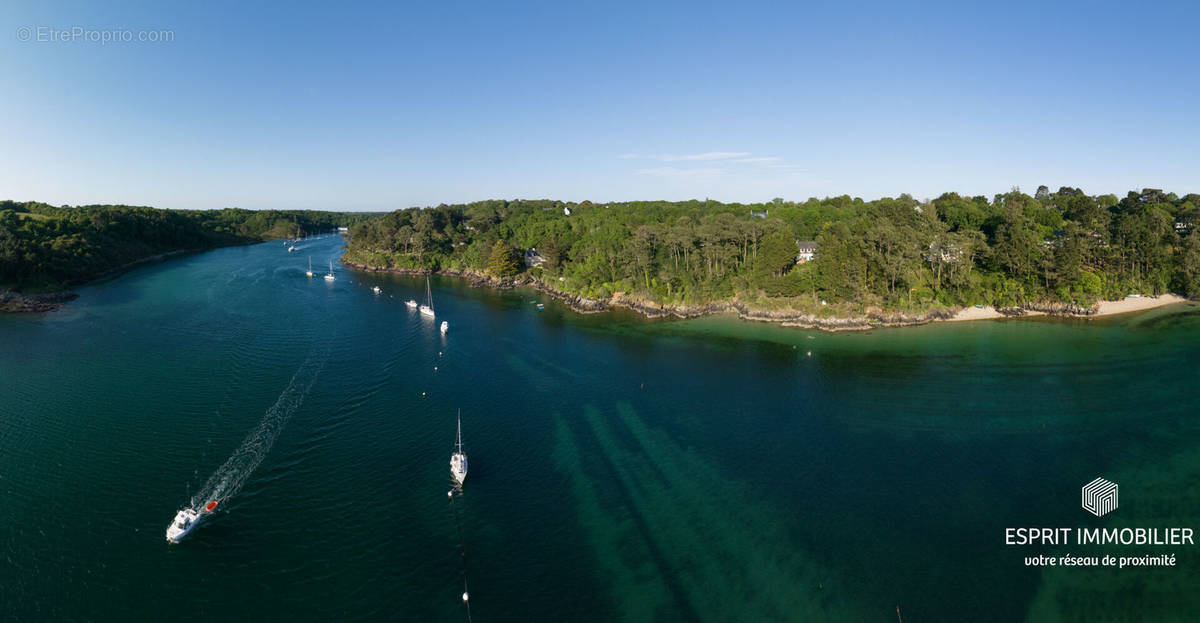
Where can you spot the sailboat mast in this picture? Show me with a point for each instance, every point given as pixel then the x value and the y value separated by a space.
pixel 459 431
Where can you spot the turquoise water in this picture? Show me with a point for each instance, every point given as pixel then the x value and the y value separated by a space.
pixel 621 469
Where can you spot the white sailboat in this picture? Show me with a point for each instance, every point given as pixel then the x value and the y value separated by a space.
pixel 329 276
pixel 427 308
pixel 309 271
pixel 458 460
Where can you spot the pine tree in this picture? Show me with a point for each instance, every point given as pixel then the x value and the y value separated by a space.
pixel 503 261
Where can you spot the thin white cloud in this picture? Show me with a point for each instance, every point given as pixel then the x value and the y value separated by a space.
pixel 673 172
pixel 706 156
pixel 755 166
pixel 709 155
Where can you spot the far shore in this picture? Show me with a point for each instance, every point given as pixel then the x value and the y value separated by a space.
pixel 1103 308
pixel 13 302
pixel 874 319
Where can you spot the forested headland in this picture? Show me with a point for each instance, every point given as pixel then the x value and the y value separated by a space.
pixel 1013 249
pixel 47 248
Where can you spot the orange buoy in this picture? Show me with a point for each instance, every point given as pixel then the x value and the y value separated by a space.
pixel 210 506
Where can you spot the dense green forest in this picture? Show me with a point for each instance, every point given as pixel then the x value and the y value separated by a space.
pixel 898 254
pixel 46 247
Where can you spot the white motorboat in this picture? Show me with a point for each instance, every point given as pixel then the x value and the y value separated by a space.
pixel 186 520
pixel 445 327
pixel 377 290
pixel 411 303
pixel 458 460
pixel 292 248
pixel 329 276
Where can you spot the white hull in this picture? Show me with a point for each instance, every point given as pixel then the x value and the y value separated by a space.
pixel 185 521
pixel 458 460
pixel 376 290
pixel 445 327
pixel 458 467
pixel 411 304
pixel 329 277
pixel 427 311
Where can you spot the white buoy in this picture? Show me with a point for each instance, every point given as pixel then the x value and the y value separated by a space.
pixel 810 353
pixel 465 596
pixel 435 368
pixel 422 394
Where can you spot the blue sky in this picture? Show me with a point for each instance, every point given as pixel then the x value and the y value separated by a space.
pixel 386 105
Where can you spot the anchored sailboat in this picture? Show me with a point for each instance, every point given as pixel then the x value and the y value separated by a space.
pixel 309 272
pixel 329 276
pixel 458 460
pixel 427 308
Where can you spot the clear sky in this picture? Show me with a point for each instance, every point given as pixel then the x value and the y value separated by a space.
pixel 378 106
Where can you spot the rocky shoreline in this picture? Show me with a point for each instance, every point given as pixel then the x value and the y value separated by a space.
pixel 870 319
pixel 874 319
pixel 24 303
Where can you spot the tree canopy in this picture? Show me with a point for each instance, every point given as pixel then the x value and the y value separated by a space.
pixel 894 253
pixel 47 247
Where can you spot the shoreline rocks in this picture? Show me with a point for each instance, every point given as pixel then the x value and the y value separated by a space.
pixel 875 319
pixel 872 318
pixel 24 303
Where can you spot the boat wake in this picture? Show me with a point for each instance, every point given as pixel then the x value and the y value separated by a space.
pixel 229 478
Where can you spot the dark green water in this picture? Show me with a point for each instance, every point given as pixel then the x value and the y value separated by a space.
pixel 620 469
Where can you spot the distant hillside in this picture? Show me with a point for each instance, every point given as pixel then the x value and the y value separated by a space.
pixel 47 248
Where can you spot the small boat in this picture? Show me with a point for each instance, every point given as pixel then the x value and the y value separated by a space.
pixel 541 306
pixel 186 520
pixel 309 271
pixel 330 277
pixel 411 304
pixel 427 308
pixel 291 248
pixel 458 460
pixel 376 290
pixel 445 327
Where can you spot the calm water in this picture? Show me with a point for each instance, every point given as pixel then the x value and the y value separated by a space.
pixel 620 469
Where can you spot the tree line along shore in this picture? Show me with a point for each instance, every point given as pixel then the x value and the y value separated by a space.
pixel 887 261
pixel 46 249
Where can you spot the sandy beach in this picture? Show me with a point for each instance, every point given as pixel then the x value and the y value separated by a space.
pixel 1126 305
pixel 976 313
pixel 1103 308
